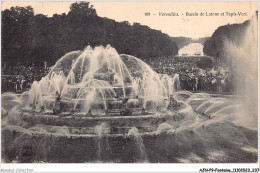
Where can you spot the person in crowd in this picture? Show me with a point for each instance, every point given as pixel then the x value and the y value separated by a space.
pixel 191 77
pixel 219 84
pixel 22 83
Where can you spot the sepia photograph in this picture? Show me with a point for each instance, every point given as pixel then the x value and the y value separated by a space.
pixel 129 82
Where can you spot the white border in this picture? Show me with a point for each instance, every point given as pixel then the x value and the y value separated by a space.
pixel 123 167
pixel 148 167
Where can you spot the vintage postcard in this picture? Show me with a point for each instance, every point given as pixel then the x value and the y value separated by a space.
pixel 129 82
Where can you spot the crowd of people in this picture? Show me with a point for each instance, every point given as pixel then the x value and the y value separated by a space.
pixel 20 78
pixel 211 78
pixel 192 77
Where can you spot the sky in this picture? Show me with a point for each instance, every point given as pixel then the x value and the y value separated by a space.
pixel 175 26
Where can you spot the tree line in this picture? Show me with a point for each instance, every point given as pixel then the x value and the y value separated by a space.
pixel 29 38
pixel 215 45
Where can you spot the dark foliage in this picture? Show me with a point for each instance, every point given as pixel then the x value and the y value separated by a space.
pixel 29 38
pixel 215 44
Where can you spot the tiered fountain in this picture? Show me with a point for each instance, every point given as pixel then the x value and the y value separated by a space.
pixel 98 106
pixel 98 85
pixel 96 88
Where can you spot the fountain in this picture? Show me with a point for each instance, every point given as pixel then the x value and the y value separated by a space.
pixel 98 106
pixel 98 83
pixel 138 139
pixel 102 81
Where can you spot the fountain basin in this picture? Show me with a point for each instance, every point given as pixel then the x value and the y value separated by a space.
pixel 170 147
pixel 81 124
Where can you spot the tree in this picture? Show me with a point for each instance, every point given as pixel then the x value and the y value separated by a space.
pixel 30 38
pixel 16 33
pixel 82 8
pixel 215 45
